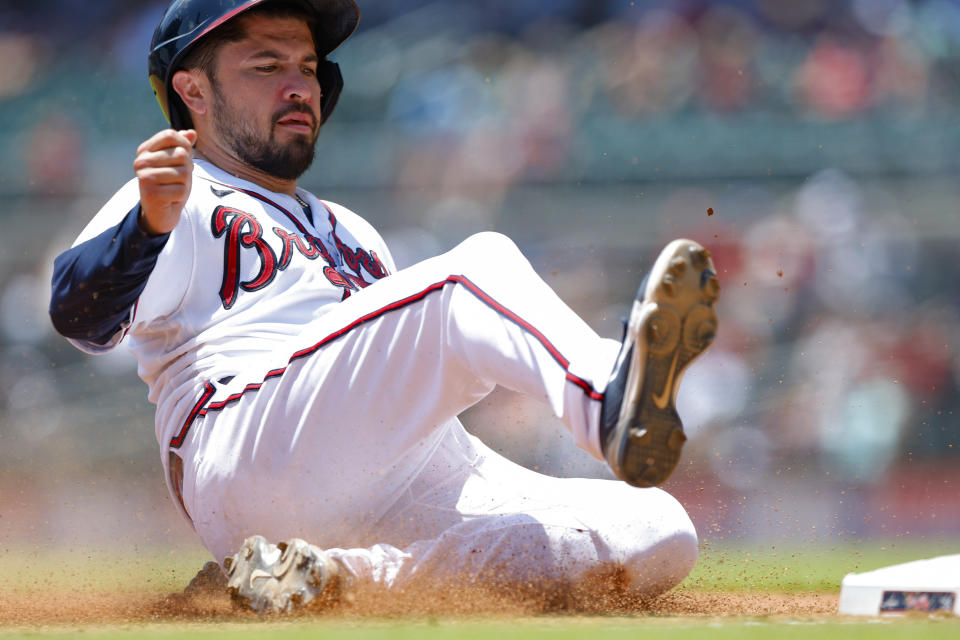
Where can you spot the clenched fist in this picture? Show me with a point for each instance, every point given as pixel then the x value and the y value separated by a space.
pixel 164 168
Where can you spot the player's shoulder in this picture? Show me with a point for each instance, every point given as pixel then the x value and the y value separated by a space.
pixel 113 211
pixel 125 198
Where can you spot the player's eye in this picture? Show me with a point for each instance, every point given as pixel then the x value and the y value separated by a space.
pixel 266 68
pixel 308 71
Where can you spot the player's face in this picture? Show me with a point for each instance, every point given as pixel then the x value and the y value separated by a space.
pixel 266 96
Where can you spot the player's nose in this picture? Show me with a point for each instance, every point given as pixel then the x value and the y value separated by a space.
pixel 298 88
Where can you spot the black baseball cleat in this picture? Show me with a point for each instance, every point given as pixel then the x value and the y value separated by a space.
pixel 671 323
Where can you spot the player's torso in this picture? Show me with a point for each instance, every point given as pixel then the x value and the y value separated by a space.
pixel 245 271
pixel 262 258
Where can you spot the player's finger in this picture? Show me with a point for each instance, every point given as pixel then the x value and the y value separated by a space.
pixel 163 139
pixel 156 141
pixel 190 135
pixel 167 157
pixel 163 175
pixel 183 168
pixel 164 193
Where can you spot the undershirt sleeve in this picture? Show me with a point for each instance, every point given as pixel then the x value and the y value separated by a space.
pixel 97 282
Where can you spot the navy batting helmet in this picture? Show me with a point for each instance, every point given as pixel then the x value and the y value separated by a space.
pixel 186 22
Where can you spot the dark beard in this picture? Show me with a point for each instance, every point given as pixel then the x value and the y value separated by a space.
pixel 285 162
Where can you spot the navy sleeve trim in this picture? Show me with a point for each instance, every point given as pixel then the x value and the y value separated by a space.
pixel 97 282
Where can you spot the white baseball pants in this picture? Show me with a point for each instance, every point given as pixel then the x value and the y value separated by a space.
pixel 354 445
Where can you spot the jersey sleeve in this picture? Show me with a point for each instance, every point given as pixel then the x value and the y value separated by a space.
pixel 98 282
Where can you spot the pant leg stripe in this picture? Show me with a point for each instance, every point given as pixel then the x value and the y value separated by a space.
pixel 526 326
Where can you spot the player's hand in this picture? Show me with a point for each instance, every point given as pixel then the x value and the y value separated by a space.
pixel 164 168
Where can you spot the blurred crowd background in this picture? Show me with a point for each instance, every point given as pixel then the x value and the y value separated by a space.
pixel 813 146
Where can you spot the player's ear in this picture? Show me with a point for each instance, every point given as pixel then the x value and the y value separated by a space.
pixel 190 85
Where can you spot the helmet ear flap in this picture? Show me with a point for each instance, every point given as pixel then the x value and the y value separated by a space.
pixel 331 83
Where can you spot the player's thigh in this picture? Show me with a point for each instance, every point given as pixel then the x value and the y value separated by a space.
pixel 626 521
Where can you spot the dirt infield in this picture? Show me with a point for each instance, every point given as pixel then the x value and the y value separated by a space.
pixel 93 588
pixel 40 609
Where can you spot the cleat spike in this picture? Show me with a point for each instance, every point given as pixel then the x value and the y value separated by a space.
pixel 676 439
pixel 651 477
pixel 706 336
pixel 640 437
pixel 656 334
pixel 677 266
pixel 699 258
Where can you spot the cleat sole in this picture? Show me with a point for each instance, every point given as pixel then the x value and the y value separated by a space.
pixel 670 326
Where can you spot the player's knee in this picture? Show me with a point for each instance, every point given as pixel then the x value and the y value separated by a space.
pixel 673 554
pixel 490 246
pixel 681 547
pixel 667 563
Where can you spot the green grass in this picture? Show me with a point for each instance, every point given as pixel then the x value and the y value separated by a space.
pixel 791 568
pixel 547 628
pixel 95 570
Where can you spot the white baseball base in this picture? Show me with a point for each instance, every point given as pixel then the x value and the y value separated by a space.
pixel 931 585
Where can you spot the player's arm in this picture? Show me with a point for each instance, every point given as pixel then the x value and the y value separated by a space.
pixel 97 282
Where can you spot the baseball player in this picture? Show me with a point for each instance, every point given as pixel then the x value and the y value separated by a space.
pixel 307 390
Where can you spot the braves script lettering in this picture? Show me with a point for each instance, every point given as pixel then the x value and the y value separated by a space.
pixel 242 230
